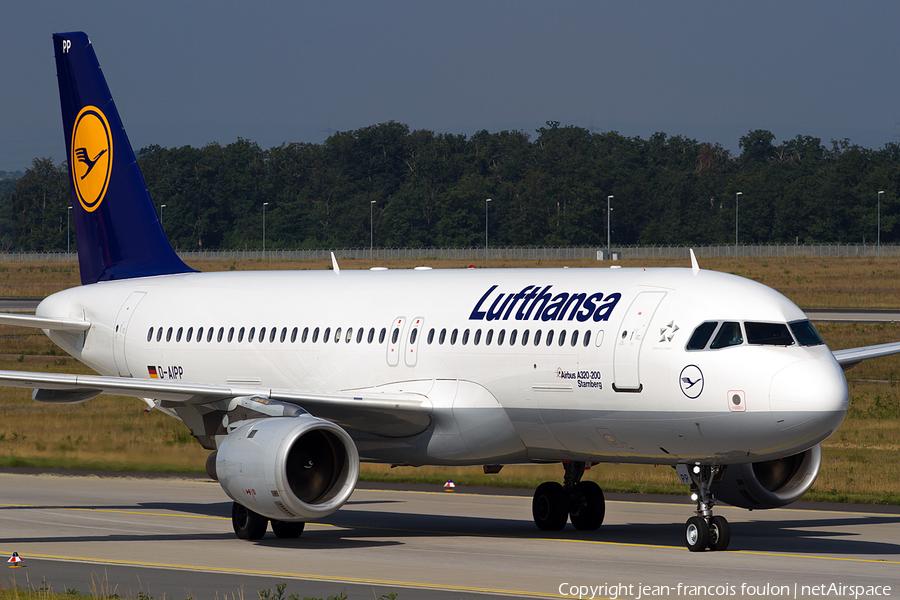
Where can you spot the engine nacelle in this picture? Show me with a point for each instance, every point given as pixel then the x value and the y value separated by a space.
pixel 288 468
pixel 769 484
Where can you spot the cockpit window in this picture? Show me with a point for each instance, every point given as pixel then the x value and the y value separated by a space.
pixel 806 334
pixel 729 335
pixel 768 334
pixel 701 335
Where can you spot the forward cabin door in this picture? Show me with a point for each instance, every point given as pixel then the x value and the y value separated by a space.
pixel 626 362
pixel 121 328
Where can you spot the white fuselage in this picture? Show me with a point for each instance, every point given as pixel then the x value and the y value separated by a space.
pixel 632 393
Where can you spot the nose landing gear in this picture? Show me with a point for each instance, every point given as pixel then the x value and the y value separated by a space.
pixel 705 530
pixel 581 502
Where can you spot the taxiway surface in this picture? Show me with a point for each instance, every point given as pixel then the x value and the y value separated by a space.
pixel 172 538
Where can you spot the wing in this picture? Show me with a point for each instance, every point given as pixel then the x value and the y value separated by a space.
pixel 390 414
pixel 59 324
pixel 851 357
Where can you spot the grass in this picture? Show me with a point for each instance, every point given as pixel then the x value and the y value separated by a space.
pixel 861 461
pixel 100 589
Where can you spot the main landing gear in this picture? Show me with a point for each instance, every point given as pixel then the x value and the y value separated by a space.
pixel 705 530
pixel 249 525
pixel 580 501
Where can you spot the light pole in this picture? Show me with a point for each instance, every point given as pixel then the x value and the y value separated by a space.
pixel 880 192
pixel 486 227
pixel 608 213
pixel 265 204
pixel 161 206
pixel 371 230
pixel 736 197
pixel 68 237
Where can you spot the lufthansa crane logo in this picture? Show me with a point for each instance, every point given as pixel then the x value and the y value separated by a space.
pixel 691 380
pixel 91 157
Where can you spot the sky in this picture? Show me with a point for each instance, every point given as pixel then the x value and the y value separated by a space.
pixel 193 72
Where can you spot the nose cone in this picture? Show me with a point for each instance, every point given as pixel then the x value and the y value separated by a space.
pixel 809 399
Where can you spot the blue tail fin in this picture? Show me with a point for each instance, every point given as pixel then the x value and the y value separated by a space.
pixel 119 234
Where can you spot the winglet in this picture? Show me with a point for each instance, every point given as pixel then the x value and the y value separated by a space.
pixel 334 264
pixel 694 266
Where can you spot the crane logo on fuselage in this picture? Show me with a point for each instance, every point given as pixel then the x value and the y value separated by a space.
pixel 691 381
pixel 537 304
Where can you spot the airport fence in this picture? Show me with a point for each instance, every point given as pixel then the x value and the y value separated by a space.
pixel 474 254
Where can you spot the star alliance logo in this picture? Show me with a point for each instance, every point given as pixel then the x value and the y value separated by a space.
pixel 668 332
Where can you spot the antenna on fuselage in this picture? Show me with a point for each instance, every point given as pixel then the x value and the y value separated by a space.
pixel 334 264
pixel 694 266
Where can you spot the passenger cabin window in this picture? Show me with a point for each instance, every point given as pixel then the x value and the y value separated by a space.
pixel 453 337
pixel 806 334
pixel 294 335
pixel 701 335
pixel 729 335
pixel 209 334
pixel 768 334
pixel 305 334
pixel 189 333
pixel 230 335
pixel 150 334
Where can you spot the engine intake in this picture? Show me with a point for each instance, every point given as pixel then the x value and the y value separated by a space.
pixel 288 468
pixel 769 484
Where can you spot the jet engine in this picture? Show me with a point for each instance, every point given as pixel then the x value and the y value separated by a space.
pixel 769 484
pixel 288 468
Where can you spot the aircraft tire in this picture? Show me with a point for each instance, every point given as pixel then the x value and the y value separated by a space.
pixel 550 506
pixel 719 533
pixel 287 529
pixel 696 534
pixel 247 524
pixel 590 516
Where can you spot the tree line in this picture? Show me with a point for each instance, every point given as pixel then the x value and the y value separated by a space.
pixel 424 189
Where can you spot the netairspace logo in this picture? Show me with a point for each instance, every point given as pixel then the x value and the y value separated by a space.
pixel 745 590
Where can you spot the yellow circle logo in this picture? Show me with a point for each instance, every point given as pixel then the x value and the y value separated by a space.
pixel 91 157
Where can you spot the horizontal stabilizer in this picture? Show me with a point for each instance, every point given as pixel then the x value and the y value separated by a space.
pixel 52 323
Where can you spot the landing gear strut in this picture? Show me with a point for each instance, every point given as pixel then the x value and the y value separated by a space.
pixel 705 530
pixel 580 501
